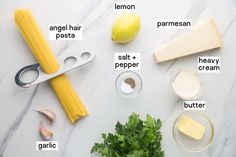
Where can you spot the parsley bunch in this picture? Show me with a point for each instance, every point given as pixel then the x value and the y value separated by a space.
pixel 136 138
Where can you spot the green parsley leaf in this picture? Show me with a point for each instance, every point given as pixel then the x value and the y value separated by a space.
pixel 136 138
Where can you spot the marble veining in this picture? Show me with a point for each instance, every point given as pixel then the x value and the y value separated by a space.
pixel 226 137
pixel 14 126
pixel 82 19
pixel 18 132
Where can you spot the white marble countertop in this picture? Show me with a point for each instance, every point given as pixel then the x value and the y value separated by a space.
pixel 95 82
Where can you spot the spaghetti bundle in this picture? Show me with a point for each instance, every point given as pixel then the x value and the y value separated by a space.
pixel 61 85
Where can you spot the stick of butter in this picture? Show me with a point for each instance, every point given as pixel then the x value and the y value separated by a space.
pixel 201 38
pixel 191 128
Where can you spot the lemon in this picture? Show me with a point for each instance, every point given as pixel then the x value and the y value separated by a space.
pixel 125 28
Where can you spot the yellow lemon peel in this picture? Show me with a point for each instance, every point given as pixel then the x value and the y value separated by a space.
pixel 125 28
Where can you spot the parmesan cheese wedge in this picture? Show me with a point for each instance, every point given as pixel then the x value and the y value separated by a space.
pixel 201 38
pixel 191 128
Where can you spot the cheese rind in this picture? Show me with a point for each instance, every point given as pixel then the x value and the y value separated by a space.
pixel 191 128
pixel 202 38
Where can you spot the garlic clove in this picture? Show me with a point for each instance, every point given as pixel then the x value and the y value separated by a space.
pixel 45 134
pixel 50 115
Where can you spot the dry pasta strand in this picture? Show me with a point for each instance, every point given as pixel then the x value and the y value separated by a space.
pixel 29 29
